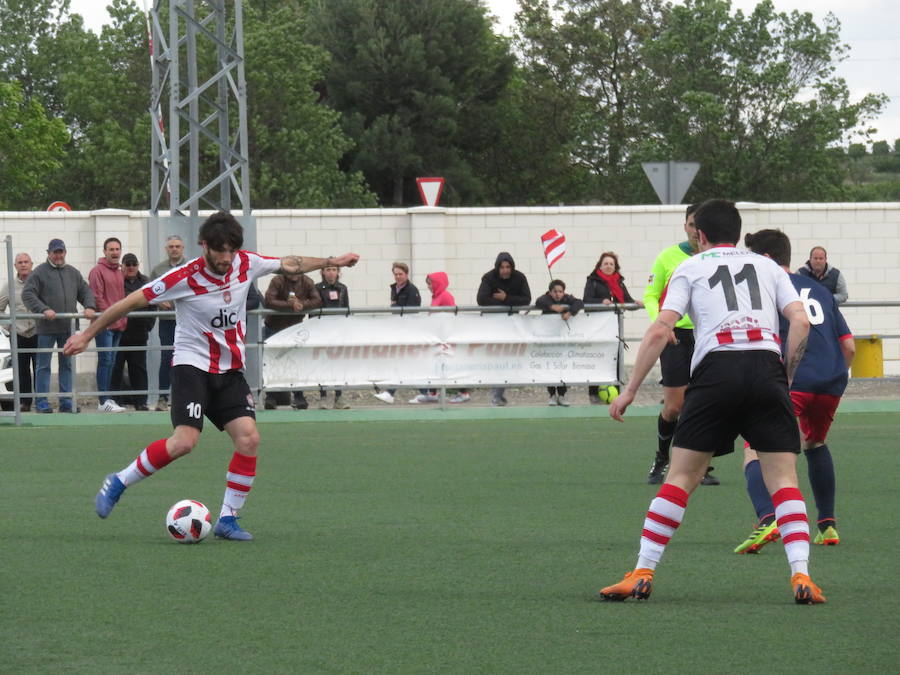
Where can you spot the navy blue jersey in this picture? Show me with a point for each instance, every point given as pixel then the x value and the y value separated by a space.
pixel 823 369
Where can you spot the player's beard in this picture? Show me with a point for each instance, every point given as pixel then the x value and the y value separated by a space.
pixel 220 268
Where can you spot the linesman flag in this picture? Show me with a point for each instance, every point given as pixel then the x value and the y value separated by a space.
pixel 554 243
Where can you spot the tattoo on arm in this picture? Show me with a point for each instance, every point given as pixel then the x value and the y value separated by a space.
pixel 796 359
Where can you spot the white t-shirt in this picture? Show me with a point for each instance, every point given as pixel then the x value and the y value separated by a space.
pixel 734 297
pixel 210 309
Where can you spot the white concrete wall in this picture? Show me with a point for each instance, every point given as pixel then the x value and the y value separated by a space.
pixel 863 240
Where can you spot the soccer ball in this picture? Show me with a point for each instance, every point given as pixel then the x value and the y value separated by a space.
pixel 188 522
pixel 608 394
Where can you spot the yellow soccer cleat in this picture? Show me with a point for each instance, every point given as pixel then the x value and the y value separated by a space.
pixel 760 536
pixel 827 538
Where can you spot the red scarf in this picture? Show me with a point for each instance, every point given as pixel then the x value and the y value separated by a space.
pixel 615 288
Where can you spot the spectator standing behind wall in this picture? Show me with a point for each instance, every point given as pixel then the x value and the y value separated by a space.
pixel 26 337
pixel 439 284
pixel 294 293
pixel 606 286
pixel 557 301
pixel 136 334
pixel 55 287
pixel 830 277
pixel 503 286
pixel 333 294
pixel 403 294
pixel 108 285
pixel 174 258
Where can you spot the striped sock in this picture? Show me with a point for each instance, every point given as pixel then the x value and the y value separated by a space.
pixel 663 518
pixel 239 480
pixel 790 512
pixel 152 459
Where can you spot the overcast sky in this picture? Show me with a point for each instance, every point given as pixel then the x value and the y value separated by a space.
pixel 870 27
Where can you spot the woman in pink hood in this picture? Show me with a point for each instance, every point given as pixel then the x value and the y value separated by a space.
pixel 440 296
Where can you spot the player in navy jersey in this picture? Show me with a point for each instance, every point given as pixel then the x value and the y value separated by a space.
pixel 738 385
pixel 210 294
pixel 816 392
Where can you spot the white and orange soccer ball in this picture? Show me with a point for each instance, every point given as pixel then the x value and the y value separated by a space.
pixel 188 521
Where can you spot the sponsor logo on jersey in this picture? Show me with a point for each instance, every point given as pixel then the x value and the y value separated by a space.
pixel 224 319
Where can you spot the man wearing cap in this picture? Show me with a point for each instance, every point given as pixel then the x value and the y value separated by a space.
pixel 135 335
pixel 108 285
pixel 55 287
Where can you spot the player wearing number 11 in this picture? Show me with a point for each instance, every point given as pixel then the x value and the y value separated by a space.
pixel 738 385
pixel 210 294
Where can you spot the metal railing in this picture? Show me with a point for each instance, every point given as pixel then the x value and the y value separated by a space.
pixel 255 347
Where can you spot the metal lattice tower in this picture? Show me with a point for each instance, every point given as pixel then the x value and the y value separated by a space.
pixel 198 70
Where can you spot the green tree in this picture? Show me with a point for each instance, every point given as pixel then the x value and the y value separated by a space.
pixel 412 81
pixel 103 86
pixel 881 148
pixel 27 28
pixel 31 146
pixel 296 144
pixel 755 99
pixel 752 97
pixel 593 54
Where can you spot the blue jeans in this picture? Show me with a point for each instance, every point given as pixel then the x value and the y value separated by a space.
pixel 106 360
pixel 166 338
pixel 42 374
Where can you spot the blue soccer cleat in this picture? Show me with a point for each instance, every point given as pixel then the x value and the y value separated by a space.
pixel 109 494
pixel 227 528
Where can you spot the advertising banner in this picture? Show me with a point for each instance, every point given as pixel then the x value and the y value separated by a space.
pixel 445 349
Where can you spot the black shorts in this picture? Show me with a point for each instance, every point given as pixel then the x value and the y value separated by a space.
pixel 675 360
pixel 738 392
pixel 221 397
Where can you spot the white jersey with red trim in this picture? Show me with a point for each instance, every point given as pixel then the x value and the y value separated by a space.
pixel 734 297
pixel 210 309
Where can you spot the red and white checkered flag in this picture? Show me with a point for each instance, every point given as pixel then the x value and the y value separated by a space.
pixel 554 243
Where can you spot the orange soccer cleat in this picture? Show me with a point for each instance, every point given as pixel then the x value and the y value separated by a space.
pixel 805 591
pixel 637 584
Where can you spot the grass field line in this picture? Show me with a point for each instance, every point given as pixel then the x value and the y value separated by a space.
pixel 434 413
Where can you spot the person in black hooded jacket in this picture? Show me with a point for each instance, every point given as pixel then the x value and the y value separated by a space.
pixel 503 285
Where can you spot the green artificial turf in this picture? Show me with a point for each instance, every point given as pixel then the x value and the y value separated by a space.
pixel 464 546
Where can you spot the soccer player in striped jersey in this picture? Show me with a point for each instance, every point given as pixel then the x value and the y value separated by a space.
pixel 739 385
pixel 815 393
pixel 209 294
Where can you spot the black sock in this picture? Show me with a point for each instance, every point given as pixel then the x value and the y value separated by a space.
pixel 665 430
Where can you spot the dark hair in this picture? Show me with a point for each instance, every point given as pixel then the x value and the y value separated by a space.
pixel 221 229
pixel 719 220
pixel 816 248
pixel 109 239
pixel 400 265
pixel 773 243
pixel 690 209
pixel 556 282
pixel 607 254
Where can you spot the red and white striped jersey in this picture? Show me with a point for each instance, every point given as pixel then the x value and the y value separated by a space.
pixel 734 297
pixel 210 310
